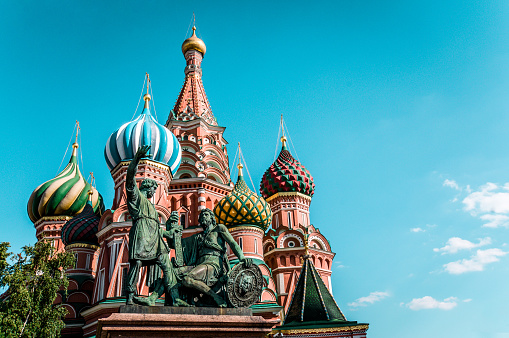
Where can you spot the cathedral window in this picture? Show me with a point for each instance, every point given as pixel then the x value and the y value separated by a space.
pixel 123 283
pixel 256 245
pixel 289 219
pixel 240 243
pixel 183 220
pixel 87 264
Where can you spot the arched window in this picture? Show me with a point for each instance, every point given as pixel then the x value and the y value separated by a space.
pixel 240 243
pixel 290 219
pixel 183 220
pixel 256 245
pixel 277 221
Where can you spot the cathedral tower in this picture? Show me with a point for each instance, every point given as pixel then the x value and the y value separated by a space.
pixel 204 175
pixel 288 187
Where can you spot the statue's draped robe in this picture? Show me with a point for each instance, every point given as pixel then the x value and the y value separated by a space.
pixel 145 239
pixel 211 254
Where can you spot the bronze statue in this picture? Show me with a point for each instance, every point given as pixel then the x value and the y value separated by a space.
pixel 212 263
pixel 172 234
pixel 200 260
pixel 146 244
pixel 206 265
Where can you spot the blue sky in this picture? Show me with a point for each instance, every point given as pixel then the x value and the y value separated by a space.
pixel 398 109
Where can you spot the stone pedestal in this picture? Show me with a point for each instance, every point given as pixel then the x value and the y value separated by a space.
pixel 168 321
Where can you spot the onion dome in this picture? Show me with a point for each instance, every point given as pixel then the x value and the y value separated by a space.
pixel 195 43
pixel 286 174
pixel 64 195
pixel 243 207
pixel 143 131
pixel 83 227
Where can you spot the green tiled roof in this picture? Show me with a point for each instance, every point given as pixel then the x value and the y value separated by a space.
pixel 311 300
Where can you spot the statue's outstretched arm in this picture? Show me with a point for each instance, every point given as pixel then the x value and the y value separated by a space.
pixel 131 169
pixel 228 238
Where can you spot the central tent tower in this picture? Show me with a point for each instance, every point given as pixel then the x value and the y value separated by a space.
pixel 204 174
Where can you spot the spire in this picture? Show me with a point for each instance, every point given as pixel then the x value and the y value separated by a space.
pixel 147 96
pixel 75 146
pixel 240 166
pixel 283 141
pixel 90 191
pixel 192 102
pixel 312 301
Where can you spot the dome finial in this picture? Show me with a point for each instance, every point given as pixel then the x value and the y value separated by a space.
pixel 75 144
pixel 194 43
pixel 283 140
pixel 147 96
pixel 240 166
pixel 282 128
pixel 90 191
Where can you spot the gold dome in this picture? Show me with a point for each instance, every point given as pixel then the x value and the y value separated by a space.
pixel 194 43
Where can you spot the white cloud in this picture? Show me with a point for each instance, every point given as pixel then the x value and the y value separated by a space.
pixel 455 244
pixel 417 230
pixel 487 199
pixel 495 220
pixel 490 202
pixel 339 265
pixel 451 184
pixel 468 300
pixel 428 302
pixel 476 262
pixel 372 298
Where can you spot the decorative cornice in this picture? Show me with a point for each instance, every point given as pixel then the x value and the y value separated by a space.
pixel 246 228
pixel 52 219
pixel 145 161
pixel 284 194
pixel 188 125
pixel 114 225
pixel 326 329
pixel 199 180
pixel 81 245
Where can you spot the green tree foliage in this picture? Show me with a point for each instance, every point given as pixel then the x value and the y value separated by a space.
pixel 32 280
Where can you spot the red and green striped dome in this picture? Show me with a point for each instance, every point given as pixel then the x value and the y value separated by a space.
pixel 286 174
pixel 243 207
pixel 82 228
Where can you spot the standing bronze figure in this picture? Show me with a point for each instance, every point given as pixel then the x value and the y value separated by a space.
pixel 146 244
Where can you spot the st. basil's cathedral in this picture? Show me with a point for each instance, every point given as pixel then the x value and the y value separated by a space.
pixel 189 160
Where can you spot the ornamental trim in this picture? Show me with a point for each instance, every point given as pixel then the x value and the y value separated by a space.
pixel 284 194
pixel 281 241
pixel 81 245
pixel 319 240
pixel 248 228
pixel 352 328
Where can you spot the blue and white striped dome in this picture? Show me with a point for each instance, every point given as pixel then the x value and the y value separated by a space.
pixel 143 131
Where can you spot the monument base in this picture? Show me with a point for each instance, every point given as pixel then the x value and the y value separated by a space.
pixel 165 321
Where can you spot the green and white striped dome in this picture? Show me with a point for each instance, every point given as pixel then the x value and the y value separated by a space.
pixel 64 195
